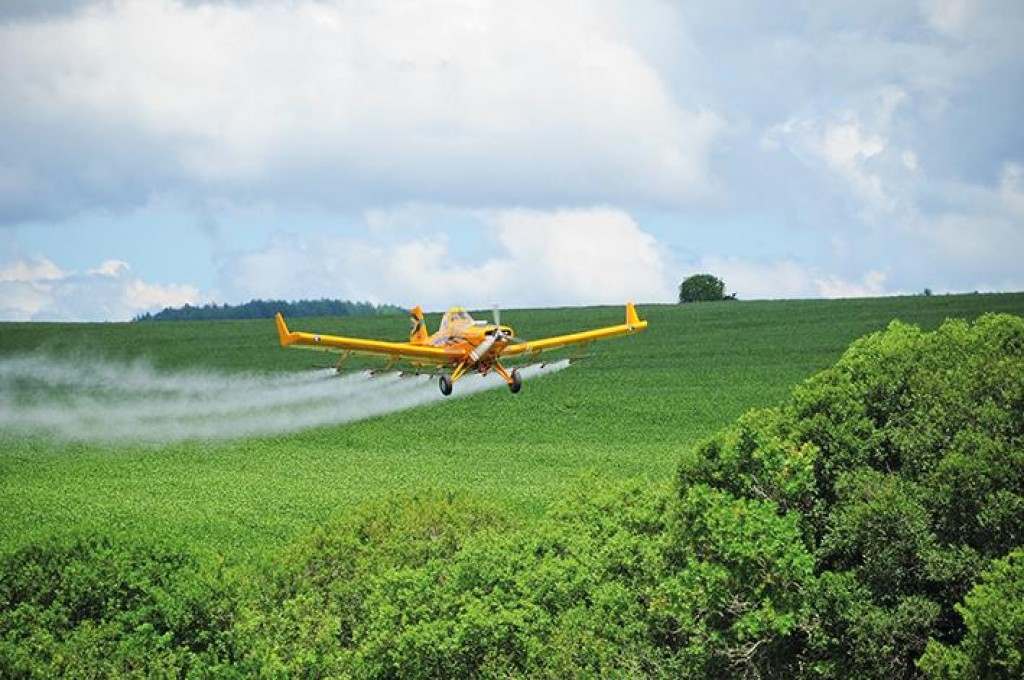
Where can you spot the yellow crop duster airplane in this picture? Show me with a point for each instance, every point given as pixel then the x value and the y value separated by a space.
pixel 461 344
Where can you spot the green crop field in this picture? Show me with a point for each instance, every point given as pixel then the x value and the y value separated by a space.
pixel 631 410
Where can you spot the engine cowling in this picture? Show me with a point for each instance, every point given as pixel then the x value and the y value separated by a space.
pixel 480 351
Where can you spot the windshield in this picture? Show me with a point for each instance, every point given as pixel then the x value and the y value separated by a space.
pixel 456 316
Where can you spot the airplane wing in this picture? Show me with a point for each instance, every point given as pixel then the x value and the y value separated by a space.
pixel 399 351
pixel 534 347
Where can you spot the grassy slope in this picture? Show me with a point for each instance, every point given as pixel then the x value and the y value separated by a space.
pixel 630 411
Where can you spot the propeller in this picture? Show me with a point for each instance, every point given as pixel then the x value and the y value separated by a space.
pixel 496 309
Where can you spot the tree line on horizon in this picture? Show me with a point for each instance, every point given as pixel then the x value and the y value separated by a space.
pixel 266 309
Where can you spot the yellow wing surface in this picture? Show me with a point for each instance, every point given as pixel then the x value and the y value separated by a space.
pixel 534 347
pixel 428 354
pixel 399 351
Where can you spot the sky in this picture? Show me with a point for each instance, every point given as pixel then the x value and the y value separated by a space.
pixel 535 153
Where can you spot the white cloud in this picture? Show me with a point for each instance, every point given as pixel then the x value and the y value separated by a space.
pixel 27 271
pixel 971 240
pixel 38 290
pixel 855 147
pixel 976 250
pixel 598 255
pixel 845 147
pixel 946 16
pixel 139 296
pixel 111 269
pixel 872 284
pixel 909 159
pixel 347 102
pixel 847 150
pixel 534 258
pixel 760 278
pixel 750 278
pixel 1011 188
pixel 990 25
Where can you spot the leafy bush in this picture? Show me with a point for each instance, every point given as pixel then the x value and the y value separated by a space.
pixel 93 607
pixel 316 610
pixel 904 462
pixel 608 583
pixel 994 615
pixel 731 600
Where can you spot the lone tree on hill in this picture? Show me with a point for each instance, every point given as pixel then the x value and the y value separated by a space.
pixel 701 288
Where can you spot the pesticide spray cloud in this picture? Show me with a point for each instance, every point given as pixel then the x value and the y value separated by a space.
pixel 108 402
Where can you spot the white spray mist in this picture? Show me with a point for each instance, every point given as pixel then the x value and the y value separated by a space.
pixel 126 403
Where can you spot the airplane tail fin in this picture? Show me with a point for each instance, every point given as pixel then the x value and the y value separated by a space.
pixel 417 327
pixel 632 319
pixel 282 331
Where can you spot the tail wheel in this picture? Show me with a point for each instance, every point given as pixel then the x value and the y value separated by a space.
pixel 445 383
pixel 517 382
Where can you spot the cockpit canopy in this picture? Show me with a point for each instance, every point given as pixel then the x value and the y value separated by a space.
pixel 456 316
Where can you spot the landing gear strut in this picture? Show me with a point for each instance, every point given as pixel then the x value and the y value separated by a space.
pixel 514 380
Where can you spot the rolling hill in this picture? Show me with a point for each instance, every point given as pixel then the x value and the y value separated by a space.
pixel 631 410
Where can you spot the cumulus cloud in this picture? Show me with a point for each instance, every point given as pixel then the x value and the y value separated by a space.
pixel 896 154
pixel 855 147
pixel 994 26
pixel 872 284
pixel 760 278
pixel 28 271
pixel 36 289
pixel 756 278
pixel 876 107
pixel 564 257
pixel 958 251
pixel 597 255
pixel 353 103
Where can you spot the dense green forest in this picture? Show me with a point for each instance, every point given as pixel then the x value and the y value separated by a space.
pixel 869 525
pixel 266 309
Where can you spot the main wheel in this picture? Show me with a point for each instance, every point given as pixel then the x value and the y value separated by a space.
pixel 517 382
pixel 445 383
